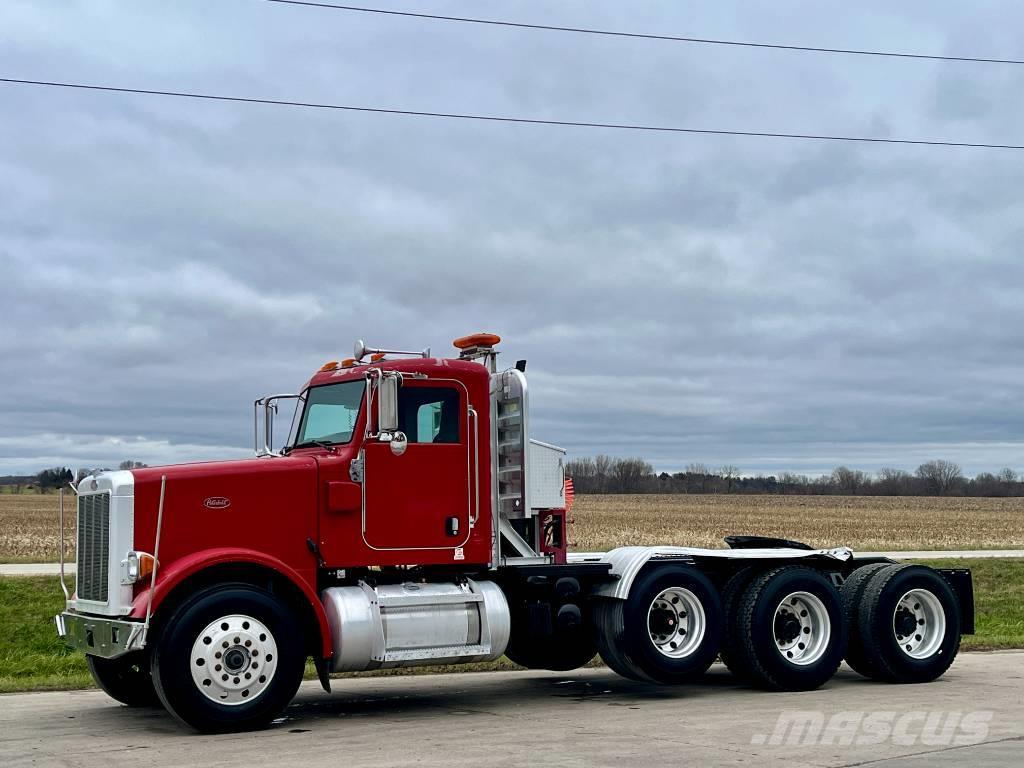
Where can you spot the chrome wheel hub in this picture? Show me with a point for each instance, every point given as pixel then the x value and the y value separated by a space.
pixel 802 628
pixel 919 623
pixel 676 622
pixel 234 659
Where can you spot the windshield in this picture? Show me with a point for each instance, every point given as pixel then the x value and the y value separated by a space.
pixel 330 414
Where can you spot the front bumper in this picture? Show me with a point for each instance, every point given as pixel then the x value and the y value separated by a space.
pixel 108 638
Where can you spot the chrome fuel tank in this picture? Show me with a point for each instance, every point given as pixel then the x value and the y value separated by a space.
pixel 411 624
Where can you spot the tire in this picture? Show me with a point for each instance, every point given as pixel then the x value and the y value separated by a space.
pixel 901 597
pixel 560 652
pixel 125 679
pixel 609 627
pixel 851 594
pixel 789 629
pixel 731 651
pixel 667 631
pixel 235 630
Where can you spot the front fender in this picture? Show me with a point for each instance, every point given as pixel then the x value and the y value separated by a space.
pixel 169 578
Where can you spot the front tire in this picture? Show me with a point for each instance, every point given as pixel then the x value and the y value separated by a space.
pixel 789 629
pixel 125 679
pixel 229 659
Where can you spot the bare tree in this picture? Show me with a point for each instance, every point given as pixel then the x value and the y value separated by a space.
pixel 940 475
pixel 730 473
pixel 848 480
pixel 631 475
pixel 893 482
pixel 699 473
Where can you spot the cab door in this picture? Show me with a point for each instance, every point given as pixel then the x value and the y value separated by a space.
pixel 420 498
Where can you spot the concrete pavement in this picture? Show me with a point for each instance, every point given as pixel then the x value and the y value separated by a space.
pixel 953 554
pixel 52 569
pixel 974 715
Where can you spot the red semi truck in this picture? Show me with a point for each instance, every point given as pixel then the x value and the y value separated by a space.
pixel 410 519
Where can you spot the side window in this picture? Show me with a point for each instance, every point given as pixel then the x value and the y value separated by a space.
pixel 429 414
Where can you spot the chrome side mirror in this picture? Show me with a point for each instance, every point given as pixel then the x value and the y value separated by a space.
pixel 387 404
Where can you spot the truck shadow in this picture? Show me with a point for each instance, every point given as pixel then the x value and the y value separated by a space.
pixel 492 693
pixel 426 697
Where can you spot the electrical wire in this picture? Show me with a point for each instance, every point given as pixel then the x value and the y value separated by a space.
pixel 642 36
pixel 504 118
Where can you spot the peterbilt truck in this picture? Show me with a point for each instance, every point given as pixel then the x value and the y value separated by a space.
pixel 410 518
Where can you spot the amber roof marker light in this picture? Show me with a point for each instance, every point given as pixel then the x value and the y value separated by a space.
pixel 477 340
pixel 479 345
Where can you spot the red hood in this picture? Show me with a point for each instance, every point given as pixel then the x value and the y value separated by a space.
pixel 266 504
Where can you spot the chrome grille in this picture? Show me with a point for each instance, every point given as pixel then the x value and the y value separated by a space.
pixel 93 546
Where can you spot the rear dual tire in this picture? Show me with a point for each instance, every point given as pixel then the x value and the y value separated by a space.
pixel 667 631
pixel 785 628
pixel 559 652
pixel 904 623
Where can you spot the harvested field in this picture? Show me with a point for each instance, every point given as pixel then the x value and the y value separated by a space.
pixel 28 523
pixel 29 532
pixel 862 522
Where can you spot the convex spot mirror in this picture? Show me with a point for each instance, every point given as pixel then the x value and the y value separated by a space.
pixel 399 442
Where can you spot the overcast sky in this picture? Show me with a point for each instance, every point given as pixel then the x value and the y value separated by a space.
pixel 777 305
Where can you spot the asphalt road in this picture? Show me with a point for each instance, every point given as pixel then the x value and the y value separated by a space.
pixel 585 718
pixel 53 569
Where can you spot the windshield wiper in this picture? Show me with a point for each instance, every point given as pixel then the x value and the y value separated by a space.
pixel 311 444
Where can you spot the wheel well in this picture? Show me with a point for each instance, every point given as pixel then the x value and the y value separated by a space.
pixel 246 573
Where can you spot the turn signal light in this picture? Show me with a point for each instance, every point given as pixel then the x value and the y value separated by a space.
pixel 477 340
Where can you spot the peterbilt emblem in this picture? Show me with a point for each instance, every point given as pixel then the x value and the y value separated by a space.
pixel 217 502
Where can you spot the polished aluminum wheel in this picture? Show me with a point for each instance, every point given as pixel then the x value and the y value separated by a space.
pixel 676 622
pixel 234 659
pixel 919 623
pixel 802 628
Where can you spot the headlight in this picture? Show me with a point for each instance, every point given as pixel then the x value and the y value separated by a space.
pixel 136 567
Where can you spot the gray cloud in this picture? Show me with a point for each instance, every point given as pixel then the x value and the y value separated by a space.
pixel 777 305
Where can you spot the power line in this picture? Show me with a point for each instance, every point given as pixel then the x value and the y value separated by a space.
pixel 503 118
pixel 642 36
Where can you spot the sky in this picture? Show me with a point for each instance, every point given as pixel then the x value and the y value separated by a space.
pixel 776 305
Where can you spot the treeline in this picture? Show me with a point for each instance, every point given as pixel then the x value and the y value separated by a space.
pixel 606 474
pixel 56 477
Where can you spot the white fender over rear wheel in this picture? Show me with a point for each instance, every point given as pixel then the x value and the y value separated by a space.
pixel 667 631
pixel 229 659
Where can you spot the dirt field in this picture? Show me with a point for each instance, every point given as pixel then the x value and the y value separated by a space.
pixel 28 523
